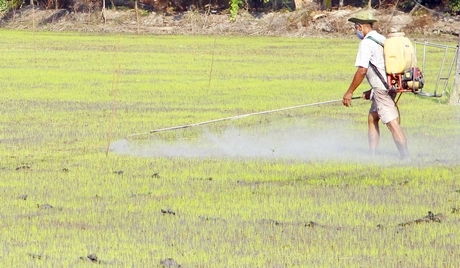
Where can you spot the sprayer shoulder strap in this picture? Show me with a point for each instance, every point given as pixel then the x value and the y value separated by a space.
pixel 376 70
pixel 375 40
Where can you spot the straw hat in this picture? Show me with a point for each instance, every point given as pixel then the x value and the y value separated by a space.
pixel 363 17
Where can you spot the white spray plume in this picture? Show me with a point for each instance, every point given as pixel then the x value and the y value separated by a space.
pixel 298 142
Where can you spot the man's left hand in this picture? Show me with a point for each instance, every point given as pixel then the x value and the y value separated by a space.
pixel 347 99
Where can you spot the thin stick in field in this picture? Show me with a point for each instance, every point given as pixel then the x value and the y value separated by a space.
pixel 33 29
pixel 115 80
pixel 212 61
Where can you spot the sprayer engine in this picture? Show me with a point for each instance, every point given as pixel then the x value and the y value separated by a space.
pixel 409 81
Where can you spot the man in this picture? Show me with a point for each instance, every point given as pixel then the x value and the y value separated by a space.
pixel 383 106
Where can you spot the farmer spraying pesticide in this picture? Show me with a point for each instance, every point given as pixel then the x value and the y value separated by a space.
pixel 383 107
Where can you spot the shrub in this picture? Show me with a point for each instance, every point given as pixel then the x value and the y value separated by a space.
pixel 454 6
pixel 6 5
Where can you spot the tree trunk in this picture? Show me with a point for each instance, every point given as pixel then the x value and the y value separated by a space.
pixel 137 16
pixel 33 14
pixel 103 12
pixel 298 4
pixel 416 7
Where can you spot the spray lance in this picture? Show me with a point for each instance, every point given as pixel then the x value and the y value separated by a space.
pixel 236 117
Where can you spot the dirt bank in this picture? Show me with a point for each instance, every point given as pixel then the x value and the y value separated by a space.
pixel 301 23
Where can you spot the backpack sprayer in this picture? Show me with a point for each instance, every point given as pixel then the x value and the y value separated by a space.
pixel 400 66
pixel 402 74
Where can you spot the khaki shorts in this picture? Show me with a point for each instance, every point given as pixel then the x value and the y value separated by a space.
pixel 384 105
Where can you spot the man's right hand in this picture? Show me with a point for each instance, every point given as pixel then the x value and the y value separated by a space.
pixel 367 94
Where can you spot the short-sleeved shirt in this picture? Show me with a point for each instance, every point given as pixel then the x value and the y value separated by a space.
pixel 370 51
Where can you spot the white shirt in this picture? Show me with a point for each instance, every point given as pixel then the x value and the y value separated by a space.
pixel 370 51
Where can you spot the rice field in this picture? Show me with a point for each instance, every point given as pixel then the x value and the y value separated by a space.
pixel 294 188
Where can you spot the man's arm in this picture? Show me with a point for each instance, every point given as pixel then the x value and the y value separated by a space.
pixel 357 80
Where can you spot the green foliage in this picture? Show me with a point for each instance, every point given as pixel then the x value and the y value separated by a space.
pixel 143 12
pixel 407 5
pixel 454 6
pixel 234 7
pixel 4 6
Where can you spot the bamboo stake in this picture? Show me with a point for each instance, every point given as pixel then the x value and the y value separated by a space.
pixel 454 97
pixel 212 61
pixel 115 80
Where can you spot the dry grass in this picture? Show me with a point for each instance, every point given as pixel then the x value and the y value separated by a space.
pixel 309 21
pixel 420 24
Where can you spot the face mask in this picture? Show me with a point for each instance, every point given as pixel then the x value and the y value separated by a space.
pixel 360 34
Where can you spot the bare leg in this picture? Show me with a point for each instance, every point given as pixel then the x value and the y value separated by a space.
pixel 399 137
pixel 374 132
